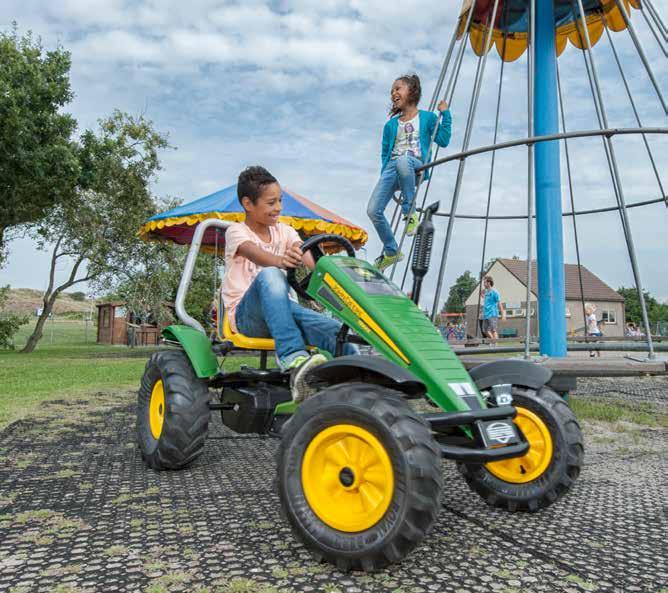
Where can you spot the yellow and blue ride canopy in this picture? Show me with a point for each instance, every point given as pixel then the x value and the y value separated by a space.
pixel 308 218
pixel 512 19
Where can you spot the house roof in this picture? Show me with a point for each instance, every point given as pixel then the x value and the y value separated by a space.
pixel 593 287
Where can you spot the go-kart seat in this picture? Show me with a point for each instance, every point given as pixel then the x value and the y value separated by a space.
pixel 225 332
pixel 241 341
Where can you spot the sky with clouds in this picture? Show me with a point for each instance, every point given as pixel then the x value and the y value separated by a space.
pixel 302 88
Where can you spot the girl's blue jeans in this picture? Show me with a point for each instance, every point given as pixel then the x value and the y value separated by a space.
pixel 398 174
pixel 266 311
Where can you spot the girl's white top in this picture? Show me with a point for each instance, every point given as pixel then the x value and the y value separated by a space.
pixel 408 138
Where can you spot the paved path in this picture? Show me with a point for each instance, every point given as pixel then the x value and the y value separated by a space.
pixel 79 513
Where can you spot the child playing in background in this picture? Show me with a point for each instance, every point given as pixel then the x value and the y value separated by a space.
pixel 406 140
pixel 255 288
pixel 592 325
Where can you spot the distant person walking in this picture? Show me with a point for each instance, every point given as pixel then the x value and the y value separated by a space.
pixel 491 309
pixel 592 326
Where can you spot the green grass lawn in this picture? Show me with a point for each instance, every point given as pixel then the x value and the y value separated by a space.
pixel 65 366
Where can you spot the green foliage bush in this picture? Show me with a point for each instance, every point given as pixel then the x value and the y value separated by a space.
pixel 9 322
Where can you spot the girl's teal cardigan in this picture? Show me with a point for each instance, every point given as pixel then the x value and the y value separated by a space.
pixel 428 121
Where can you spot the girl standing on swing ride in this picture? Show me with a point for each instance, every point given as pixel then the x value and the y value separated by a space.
pixel 406 144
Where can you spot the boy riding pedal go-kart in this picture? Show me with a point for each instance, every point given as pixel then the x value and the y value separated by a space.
pixel 358 469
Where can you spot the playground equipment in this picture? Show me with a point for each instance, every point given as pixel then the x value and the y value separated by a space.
pixel 543 30
pixel 359 474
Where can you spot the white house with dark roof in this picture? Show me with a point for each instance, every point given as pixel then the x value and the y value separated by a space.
pixel 510 280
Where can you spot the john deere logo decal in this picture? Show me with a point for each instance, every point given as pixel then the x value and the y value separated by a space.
pixel 501 432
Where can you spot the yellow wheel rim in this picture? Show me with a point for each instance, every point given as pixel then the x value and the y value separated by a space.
pixel 347 478
pixel 156 410
pixel 520 470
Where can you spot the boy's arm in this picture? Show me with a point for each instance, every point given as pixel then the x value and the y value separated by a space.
pixel 291 259
pixel 503 310
pixel 445 129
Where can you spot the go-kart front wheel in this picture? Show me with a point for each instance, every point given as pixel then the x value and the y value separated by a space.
pixel 172 411
pixel 359 476
pixel 550 467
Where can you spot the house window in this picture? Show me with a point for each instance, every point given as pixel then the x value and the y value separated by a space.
pixel 515 313
pixel 609 317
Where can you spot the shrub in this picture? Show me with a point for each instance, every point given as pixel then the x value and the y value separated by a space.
pixel 9 322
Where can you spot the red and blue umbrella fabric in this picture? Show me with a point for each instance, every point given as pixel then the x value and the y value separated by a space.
pixel 307 217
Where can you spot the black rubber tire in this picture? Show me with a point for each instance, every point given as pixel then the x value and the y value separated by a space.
pixel 416 464
pixel 186 419
pixel 561 473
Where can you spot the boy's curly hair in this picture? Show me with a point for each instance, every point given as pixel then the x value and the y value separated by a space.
pixel 414 91
pixel 251 182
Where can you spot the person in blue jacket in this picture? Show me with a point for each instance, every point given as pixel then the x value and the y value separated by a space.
pixel 406 146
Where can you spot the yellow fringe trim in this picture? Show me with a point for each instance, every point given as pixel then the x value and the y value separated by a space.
pixel 309 226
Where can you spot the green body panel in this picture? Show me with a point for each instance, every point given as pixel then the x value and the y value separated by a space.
pixel 429 356
pixel 286 408
pixel 197 346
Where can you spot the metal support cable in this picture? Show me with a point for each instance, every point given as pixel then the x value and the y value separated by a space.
pixel 448 96
pixel 530 171
pixel 491 173
pixel 633 105
pixel 622 203
pixel 570 188
pixel 639 49
pixel 660 43
pixel 656 17
pixel 462 164
pixel 595 98
pixel 444 71
pixel 403 235
pixel 563 214
pixel 458 62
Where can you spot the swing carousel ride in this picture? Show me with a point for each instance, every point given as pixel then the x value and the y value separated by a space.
pixel 533 36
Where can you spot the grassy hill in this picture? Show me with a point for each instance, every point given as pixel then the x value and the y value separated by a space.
pixel 26 300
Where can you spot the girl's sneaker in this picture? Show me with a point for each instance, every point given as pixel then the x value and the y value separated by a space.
pixel 385 261
pixel 412 224
pixel 300 368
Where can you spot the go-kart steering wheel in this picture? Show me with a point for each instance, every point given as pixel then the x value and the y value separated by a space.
pixel 313 245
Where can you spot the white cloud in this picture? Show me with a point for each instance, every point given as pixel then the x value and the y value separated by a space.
pixel 302 87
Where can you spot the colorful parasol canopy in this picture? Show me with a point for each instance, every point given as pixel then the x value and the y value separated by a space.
pixel 178 224
pixel 512 20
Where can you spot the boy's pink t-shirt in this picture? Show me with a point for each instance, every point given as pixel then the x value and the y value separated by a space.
pixel 240 271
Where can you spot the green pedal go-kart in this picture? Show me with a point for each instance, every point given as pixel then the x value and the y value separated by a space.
pixel 358 469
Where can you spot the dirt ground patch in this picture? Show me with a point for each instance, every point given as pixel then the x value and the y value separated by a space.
pixel 79 513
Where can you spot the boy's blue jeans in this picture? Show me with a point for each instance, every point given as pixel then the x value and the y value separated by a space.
pixel 265 311
pixel 399 173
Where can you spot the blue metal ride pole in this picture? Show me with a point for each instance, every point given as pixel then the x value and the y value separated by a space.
pixel 549 232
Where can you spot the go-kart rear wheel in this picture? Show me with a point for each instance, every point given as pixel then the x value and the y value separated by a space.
pixel 359 476
pixel 172 411
pixel 550 467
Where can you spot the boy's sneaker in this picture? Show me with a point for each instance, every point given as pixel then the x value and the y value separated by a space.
pixel 299 369
pixel 412 224
pixel 385 261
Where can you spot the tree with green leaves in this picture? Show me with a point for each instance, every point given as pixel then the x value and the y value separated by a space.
pixel 93 230
pixel 656 312
pixel 459 292
pixel 9 322
pixel 38 156
pixel 149 285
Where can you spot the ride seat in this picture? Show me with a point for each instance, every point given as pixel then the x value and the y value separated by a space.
pixel 245 342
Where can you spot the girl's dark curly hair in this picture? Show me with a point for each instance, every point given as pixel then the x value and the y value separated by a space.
pixel 414 91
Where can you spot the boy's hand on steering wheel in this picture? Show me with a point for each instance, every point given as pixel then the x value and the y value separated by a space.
pixel 292 257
